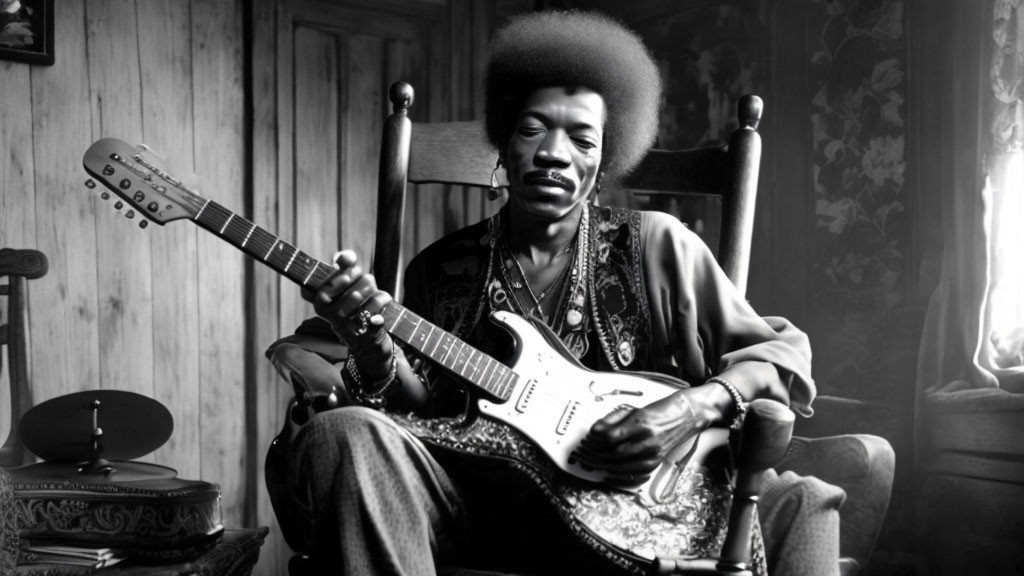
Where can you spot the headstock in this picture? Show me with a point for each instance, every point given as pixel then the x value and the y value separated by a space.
pixel 135 175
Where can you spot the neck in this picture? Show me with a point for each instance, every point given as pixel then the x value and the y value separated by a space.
pixel 542 241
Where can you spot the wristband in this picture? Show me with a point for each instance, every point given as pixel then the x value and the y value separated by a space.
pixel 741 406
pixel 372 395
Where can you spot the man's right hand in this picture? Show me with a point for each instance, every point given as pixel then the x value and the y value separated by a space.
pixel 351 302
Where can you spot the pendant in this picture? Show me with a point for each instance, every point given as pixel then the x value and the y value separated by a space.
pixel 625 352
pixel 573 317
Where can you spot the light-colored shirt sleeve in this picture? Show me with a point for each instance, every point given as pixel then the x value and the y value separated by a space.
pixel 700 323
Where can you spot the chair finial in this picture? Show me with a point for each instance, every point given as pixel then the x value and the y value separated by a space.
pixel 401 96
pixel 748 110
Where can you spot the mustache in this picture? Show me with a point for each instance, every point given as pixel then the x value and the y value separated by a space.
pixel 549 177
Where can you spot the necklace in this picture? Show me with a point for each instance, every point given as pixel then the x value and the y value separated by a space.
pixel 538 301
pixel 569 318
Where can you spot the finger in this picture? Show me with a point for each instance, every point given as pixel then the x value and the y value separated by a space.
pixel 355 298
pixel 613 418
pixel 642 462
pixel 376 305
pixel 344 258
pixel 628 429
pixel 620 453
pixel 339 282
pixel 634 467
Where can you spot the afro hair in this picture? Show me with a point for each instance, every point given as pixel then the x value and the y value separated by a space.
pixel 576 49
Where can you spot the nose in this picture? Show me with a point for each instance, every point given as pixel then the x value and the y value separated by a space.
pixel 553 150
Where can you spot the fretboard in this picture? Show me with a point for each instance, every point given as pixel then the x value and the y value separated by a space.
pixel 458 357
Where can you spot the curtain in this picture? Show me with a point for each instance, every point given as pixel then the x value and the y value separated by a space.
pixel 973 335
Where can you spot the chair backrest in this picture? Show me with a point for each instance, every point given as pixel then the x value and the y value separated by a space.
pixel 18 266
pixel 458 153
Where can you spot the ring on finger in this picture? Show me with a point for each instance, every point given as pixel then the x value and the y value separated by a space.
pixel 364 322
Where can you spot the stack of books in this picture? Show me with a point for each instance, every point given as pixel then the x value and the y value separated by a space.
pixel 69 555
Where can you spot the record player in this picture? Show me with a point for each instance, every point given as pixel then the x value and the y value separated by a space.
pixel 89 492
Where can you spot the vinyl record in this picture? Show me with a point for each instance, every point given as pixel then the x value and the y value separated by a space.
pixel 60 429
pixel 66 472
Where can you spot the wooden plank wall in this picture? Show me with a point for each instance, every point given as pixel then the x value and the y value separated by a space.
pixel 171 312
pixel 160 312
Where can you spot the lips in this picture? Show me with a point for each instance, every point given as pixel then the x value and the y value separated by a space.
pixel 548 178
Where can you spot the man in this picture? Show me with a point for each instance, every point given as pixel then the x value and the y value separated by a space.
pixel 572 105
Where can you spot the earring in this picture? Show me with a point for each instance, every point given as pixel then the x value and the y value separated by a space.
pixel 495 190
pixel 597 189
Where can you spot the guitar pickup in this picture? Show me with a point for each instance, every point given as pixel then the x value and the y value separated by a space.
pixel 567 415
pixel 526 396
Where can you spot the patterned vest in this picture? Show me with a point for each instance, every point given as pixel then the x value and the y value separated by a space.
pixel 617 312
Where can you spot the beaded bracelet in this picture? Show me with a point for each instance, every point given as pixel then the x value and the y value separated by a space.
pixel 741 406
pixel 374 398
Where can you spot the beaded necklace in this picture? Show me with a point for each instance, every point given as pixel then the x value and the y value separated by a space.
pixel 569 315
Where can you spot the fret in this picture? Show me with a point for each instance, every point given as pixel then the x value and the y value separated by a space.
pixel 315 278
pixel 226 222
pixel 485 378
pixel 305 281
pixel 508 384
pixel 210 217
pixel 291 260
pixel 394 324
pixel 416 328
pixel 426 341
pixel 455 362
pixel 249 234
pixel 201 210
pixel 262 242
pixel 475 361
pixel 236 231
pixel 271 249
pixel 448 349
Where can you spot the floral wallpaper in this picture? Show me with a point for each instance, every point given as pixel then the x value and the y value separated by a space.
pixel 709 57
pixel 1007 75
pixel 857 117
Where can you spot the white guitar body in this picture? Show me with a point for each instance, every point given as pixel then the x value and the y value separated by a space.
pixel 557 401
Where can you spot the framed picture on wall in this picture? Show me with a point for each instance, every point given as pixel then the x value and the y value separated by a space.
pixel 26 31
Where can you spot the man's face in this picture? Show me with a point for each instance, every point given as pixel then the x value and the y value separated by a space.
pixel 554 154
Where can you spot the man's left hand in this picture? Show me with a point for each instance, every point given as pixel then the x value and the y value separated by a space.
pixel 633 442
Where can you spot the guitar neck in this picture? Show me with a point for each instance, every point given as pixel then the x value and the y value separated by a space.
pixel 476 367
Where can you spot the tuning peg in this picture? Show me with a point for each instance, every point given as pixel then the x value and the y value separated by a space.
pixel 129 214
pixel 105 195
pixel 143 224
pixel 118 205
pixel 90 184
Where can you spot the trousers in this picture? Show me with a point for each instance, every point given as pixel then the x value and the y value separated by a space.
pixel 379 502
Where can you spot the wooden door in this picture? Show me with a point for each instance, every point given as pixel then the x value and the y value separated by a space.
pixel 321 72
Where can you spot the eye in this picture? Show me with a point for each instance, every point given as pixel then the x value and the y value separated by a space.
pixel 584 143
pixel 530 129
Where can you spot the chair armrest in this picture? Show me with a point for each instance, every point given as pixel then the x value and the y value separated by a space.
pixel 767 431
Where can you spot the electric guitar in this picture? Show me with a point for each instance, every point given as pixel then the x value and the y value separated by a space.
pixel 533 413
